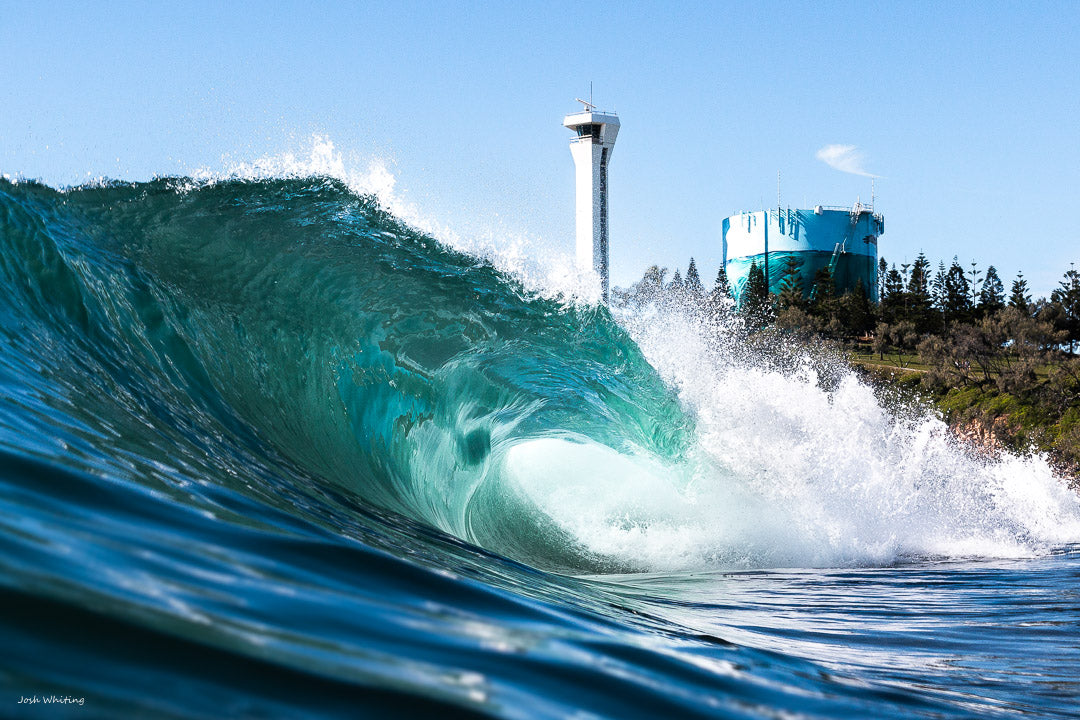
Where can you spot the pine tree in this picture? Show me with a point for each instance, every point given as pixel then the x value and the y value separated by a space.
pixel 1019 297
pixel 721 286
pixel 882 271
pixel 719 300
pixel 858 314
pixel 938 287
pixel 992 294
pixel 693 285
pixel 957 294
pixel 676 287
pixel 975 283
pixel 892 304
pixel 791 285
pixel 823 301
pixel 754 302
pixel 1067 295
pixel 919 282
pixel 919 300
pixel 650 287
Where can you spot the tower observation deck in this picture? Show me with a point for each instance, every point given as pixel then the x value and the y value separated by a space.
pixel 591 148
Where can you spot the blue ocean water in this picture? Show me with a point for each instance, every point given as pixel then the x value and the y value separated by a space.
pixel 267 451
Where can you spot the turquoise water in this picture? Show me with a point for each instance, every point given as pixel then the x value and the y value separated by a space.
pixel 265 450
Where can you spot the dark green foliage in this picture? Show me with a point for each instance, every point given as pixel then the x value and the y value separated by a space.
pixel 957 298
pixel 693 285
pixel 976 283
pixel 676 285
pixel 755 304
pixel 919 282
pixel 882 270
pixel 937 288
pixel 919 301
pixel 824 286
pixel 1067 295
pixel 992 294
pixel 856 311
pixel 791 285
pixel 1019 297
pixel 719 303
pixel 892 300
pixel 721 287
pixel 916 303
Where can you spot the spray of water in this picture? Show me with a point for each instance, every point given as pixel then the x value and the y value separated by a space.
pixel 796 461
pixel 541 267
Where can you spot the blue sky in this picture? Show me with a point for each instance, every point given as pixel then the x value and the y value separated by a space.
pixel 969 112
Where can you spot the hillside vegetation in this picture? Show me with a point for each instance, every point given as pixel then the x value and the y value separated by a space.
pixel 1001 369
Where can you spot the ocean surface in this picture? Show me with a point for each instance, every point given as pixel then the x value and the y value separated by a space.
pixel 266 450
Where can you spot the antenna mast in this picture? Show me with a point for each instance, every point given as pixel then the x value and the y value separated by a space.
pixel 777 191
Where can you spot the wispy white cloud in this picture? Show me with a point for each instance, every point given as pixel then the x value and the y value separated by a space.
pixel 845 158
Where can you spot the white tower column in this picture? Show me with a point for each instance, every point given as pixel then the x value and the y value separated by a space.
pixel 591 150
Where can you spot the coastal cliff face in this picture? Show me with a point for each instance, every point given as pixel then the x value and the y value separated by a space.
pixel 990 436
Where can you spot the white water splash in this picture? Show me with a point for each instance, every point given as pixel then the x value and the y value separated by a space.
pixel 785 473
pixel 788 474
pixel 542 267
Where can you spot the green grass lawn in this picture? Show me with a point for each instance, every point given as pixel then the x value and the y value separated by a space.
pixel 911 362
pixel 899 361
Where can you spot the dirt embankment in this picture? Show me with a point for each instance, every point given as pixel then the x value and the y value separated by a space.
pixel 993 435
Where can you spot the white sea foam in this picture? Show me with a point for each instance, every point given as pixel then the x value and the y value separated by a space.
pixel 787 473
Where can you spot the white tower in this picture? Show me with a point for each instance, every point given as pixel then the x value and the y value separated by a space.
pixel 592 148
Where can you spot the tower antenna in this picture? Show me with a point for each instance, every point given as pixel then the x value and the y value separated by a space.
pixel 777 191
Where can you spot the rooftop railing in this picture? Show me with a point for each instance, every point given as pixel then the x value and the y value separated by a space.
pixel 842 208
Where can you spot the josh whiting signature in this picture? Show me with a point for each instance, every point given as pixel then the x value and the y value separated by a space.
pixel 49 699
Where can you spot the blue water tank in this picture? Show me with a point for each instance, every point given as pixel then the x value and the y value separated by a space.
pixel 842 239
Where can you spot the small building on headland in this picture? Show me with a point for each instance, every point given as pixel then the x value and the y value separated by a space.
pixel 844 240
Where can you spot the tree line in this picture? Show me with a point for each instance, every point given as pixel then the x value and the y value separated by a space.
pixel 959 321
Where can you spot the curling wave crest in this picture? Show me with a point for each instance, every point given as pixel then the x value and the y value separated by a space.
pixel 188 323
